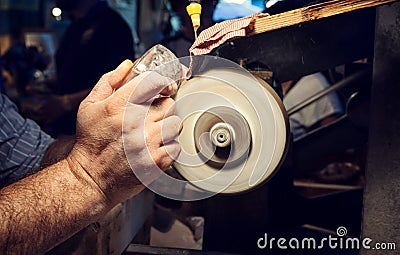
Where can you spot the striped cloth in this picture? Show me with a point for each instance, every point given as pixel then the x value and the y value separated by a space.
pixel 22 144
pixel 216 35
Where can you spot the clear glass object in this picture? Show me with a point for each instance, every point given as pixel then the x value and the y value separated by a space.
pixel 159 59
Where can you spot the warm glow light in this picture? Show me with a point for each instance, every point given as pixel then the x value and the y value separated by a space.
pixel 56 12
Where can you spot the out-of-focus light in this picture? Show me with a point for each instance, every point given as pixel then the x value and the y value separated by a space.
pixel 56 12
pixel 235 1
pixel 271 3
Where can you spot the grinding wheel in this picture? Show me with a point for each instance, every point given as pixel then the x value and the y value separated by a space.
pixel 235 130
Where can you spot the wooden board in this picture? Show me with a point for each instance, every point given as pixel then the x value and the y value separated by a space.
pixel 313 12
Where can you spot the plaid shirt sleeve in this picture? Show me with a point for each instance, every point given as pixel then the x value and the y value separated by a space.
pixel 22 144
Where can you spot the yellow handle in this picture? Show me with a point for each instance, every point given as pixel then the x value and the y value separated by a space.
pixel 194 11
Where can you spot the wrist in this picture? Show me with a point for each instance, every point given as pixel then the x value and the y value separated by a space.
pixel 96 196
pixel 99 166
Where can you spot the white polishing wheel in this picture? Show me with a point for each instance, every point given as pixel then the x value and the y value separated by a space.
pixel 235 131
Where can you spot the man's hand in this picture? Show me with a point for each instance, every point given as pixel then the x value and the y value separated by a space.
pixel 115 120
pixel 119 120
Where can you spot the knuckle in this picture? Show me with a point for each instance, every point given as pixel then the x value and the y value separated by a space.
pixel 165 164
pixel 104 77
pixel 172 125
pixel 174 150
pixel 157 79
pixel 109 109
pixel 176 120
pixel 168 104
pixel 151 77
pixel 169 101
pixel 152 138
pixel 158 159
pixel 133 119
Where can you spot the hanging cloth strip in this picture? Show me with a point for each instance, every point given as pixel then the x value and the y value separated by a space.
pixel 216 35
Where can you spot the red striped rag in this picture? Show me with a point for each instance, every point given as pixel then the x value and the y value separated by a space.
pixel 216 35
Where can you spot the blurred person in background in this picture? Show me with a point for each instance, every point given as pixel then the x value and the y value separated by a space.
pixel 319 113
pixel 96 41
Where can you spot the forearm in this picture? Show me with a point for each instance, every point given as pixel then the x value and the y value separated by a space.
pixel 44 209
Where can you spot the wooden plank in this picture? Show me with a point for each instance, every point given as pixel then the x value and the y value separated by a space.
pixel 313 12
pixel 316 185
